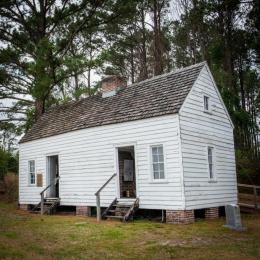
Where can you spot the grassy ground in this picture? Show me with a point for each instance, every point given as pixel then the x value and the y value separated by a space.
pixel 26 236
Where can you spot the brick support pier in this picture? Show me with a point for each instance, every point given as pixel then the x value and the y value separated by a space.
pixel 180 216
pixel 211 213
pixel 83 211
pixel 24 206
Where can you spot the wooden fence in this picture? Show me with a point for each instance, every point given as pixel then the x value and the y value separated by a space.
pixel 249 196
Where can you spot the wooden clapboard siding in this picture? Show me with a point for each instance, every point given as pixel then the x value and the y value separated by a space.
pixel 199 130
pixel 87 157
pixel 87 160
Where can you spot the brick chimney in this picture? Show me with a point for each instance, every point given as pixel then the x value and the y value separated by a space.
pixel 111 84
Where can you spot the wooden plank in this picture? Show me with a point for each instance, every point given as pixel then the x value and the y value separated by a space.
pixel 248 186
pixel 246 205
pixel 248 197
pixel 249 200
pixel 39 180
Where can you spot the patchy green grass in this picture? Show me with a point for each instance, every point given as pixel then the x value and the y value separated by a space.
pixel 26 236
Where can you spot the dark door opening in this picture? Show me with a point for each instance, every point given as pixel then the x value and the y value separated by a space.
pixel 127 178
pixel 53 173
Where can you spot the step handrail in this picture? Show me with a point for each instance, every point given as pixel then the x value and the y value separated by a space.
pixel 52 184
pixel 97 194
pixel 42 193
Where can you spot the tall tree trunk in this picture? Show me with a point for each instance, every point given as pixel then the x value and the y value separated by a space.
pixel 132 65
pixel 158 52
pixel 76 81
pixel 89 68
pixel 242 89
pixel 39 108
pixel 89 81
pixel 226 20
pixel 143 72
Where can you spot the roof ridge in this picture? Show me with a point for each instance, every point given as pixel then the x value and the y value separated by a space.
pixel 75 102
pixel 169 73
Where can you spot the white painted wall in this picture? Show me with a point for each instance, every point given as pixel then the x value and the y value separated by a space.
pixel 199 130
pixel 87 160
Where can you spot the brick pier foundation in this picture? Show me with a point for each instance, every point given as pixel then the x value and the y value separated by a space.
pixel 24 206
pixel 83 211
pixel 180 216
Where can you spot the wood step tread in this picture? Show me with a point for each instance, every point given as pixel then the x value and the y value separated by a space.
pixel 35 211
pixel 117 210
pixel 111 216
pixel 123 206
pixel 112 210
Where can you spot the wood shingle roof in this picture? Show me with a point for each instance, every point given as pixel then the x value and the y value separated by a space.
pixel 160 95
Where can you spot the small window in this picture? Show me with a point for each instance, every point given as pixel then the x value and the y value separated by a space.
pixel 206 103
pixel 31 166
pixel 210 162
pixel 158 162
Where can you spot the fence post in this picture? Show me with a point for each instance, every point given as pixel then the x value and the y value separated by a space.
pixel 98 207
pixel 42 203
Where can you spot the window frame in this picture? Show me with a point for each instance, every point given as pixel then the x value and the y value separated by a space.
pixel 206 97
pixel 213 178
pixel 29 173
pixel 153 180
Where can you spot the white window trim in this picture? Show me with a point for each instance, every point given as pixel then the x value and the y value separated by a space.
pixel 28 173
pixel 209 111
pixel 152 180
pixel 214 179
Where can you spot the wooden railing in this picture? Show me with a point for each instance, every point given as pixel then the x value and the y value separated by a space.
pixel 97 194
pixel 249 196
pixel 42 193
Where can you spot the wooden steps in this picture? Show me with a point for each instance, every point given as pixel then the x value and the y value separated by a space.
pixel 49 206
pixel 122 209
pixel 116 217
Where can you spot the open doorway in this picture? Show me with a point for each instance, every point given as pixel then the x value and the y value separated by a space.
pixel 127 173
pixel 52 174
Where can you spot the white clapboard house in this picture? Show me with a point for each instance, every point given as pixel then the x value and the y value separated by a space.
pixel 165 143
